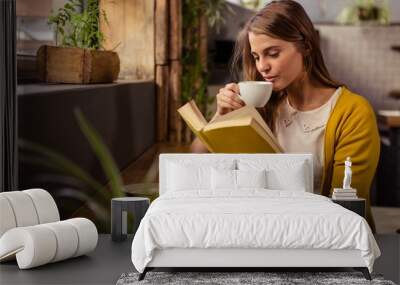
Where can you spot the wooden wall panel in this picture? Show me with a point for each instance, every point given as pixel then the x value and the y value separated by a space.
pixel 203 30
pixel 175 54
pixel 161 31
pixel 175 39
pixel 162 84
pixel 131 29
pixel 175 121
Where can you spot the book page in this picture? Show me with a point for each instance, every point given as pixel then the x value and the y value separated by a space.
pixel 263 124
pixel 234 114
pixel 245 120
pixel 270 139
pixel 197 112
pixel 192 115
pixel 195 120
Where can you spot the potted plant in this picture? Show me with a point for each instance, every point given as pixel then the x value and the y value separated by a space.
pixel 78 56
pixel 365 12
pixel 72 185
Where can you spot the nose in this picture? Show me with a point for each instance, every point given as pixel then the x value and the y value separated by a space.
pixel 263 65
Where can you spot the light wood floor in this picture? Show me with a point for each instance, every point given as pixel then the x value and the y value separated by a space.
pixel 145 170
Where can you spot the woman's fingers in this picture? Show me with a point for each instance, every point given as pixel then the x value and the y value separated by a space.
pixel 228 106
pixel 224 104
pixel 230 98
pixel 232 102
pixel 233 87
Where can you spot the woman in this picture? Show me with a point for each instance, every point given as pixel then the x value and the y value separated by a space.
pixel 309 112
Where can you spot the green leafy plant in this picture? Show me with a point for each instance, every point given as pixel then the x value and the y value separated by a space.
pixel 75 183
pixel 194 74
pixel 250 4
pixel 214 12
pixel 77 24
pixel 365 11
pixel 103 154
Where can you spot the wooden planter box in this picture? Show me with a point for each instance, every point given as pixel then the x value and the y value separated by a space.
pixel 77 65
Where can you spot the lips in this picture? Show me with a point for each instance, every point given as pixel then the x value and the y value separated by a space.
pixel 270 78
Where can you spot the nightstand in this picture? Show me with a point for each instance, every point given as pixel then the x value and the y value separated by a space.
pixel 119 215
pixel 355 205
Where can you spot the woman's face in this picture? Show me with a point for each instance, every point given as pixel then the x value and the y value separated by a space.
pixel 278 61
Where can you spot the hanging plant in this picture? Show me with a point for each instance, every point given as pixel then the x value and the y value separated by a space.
pixel 194 72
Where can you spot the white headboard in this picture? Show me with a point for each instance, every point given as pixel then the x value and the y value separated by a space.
pixel 209 158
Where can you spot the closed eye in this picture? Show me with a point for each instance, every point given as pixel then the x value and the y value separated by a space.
pixel 268 53
pixel 274 55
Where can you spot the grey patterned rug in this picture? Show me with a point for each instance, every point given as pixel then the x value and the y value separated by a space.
pixel 230 278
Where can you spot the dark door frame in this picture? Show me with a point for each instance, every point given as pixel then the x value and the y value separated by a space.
pixel 8 98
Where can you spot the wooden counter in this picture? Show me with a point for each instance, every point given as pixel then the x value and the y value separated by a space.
pixel 389 118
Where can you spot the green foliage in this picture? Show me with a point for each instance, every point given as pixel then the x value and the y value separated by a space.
pixel 47 157
pixel 250 4
pixel 95 195
pixel 194 74
pixel 214 9
pixel 365 11
pixel 77 24
pixel 103 154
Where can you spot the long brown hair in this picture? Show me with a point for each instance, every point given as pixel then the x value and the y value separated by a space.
pixel 285 20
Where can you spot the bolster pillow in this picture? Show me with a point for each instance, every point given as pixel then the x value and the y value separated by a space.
pixel 40 244
pixel 26 208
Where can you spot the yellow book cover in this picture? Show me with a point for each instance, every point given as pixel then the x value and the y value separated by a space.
pixel 240 131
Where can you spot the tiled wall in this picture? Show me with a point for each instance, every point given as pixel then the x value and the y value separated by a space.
pixel 362 58
pixel 326 11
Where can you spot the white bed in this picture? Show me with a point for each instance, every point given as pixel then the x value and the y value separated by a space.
pixel 204 221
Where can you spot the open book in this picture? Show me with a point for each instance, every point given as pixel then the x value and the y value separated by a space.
pixel 240 131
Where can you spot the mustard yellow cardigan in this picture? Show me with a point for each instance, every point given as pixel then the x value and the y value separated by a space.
pixel 352 131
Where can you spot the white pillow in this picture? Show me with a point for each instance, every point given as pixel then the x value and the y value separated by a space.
pixel 251 178
pixel 187 175
pixel 293 180
pixel 223 179
pixel 236 179
pixel 281 175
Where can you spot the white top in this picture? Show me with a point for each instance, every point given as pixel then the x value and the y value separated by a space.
pixel 304 132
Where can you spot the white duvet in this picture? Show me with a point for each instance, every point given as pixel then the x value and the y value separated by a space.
pixel 252 218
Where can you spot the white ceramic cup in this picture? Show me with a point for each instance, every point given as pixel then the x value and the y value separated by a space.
pixel 255 93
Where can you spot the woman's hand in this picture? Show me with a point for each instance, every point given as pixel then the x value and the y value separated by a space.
pixel 228 99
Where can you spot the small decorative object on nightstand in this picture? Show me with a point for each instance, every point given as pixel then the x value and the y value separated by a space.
pixel 119 215
pixel 347 196
pixel 347 192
